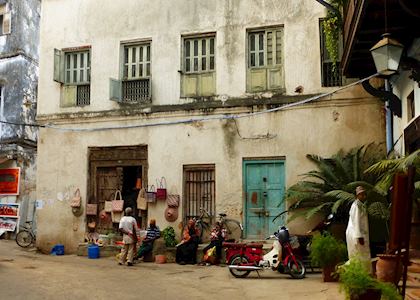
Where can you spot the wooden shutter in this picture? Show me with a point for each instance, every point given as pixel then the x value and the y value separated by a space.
pixel 207 83
pixel 115 90
pixel 58 66
pixel 257 80
pixel 7 19
pixel 190 85
pixel 68 96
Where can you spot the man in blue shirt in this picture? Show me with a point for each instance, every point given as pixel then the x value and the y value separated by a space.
pixel 152 234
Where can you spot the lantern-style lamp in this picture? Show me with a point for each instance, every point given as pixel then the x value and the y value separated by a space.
pixel 387 54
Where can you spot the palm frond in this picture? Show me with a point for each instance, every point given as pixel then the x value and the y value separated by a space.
pixel 317 209
pixel 379 210
pixel 382 167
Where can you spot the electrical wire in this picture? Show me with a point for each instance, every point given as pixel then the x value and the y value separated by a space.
pixel 198 119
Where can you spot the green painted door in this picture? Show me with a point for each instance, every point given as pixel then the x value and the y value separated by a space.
pixel 264 189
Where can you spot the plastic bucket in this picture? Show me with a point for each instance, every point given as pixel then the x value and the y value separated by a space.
pixel 58 250
pixel 93 252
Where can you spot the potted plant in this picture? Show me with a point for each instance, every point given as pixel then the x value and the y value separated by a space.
pixel 169 236
pixel 358 284
pixel 327 252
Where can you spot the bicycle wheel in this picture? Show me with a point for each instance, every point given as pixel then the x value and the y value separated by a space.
pixel 24 238
pixel 297 270
pixel 237 260
pixel 233 228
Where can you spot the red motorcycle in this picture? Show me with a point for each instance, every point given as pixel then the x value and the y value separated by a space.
pixel 245 258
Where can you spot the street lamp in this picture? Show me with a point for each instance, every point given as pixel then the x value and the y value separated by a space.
pixel 386 55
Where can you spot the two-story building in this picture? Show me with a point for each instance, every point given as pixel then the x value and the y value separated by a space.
pixel 19 40
pixel 132 92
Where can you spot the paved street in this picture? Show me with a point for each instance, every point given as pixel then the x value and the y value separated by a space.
pixel 26 274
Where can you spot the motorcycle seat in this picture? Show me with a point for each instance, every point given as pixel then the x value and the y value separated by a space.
pixel 242 245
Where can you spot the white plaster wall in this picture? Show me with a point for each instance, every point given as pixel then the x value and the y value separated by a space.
pixel 103 24
pixel 63 160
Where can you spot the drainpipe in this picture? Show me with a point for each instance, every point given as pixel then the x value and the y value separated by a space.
pixel 329 6
pixel 389 129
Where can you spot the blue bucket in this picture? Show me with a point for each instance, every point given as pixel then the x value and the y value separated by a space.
pixel 58 250
pixel 93 252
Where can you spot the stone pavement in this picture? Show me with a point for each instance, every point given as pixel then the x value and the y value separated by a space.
pixel 26 274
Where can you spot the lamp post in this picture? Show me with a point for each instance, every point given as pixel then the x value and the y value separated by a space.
pixel 386 55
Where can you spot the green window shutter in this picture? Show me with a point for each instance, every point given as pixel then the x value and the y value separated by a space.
pixel 115 90
pixel 7 23
pixel 58 66
pixel 257 80
pixel 275 79
pixel 68 96
pixel 207 84
pixel 190 85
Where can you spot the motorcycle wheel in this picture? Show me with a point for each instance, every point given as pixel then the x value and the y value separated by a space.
pixel 296 270
pixel 238 260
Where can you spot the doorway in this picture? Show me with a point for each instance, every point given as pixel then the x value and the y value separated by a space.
pixel 264 184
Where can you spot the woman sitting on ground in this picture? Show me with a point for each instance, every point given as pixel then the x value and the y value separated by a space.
pixel 186 251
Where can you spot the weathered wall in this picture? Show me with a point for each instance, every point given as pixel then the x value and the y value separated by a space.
pixel 72 23
pixel 403 86
pixel 320 128
pixel 24 35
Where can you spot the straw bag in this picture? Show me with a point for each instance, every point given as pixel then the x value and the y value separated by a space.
pixel 91 209
pixel 108 206
pixel 141 200
pixel 172 200
pixel 151 194
pixel 161 189
pixel 117 204
pixel 76 201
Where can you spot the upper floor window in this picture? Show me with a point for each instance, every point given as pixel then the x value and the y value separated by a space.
pixel 265 59
pixel 331 75
pixel 135 85
pixel 72 69
pixel 411 107
pixel 5 19
pixel 199 63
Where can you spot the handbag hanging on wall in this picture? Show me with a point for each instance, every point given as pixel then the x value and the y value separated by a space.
pixel 76 201
pixel 161 189
pixel 172 200
pixel 91 209
pixel 117 204
pixel 141 200
pixel 151 194
pixel 108 206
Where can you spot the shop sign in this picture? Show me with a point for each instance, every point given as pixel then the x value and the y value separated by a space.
pixel 8 224
pixel 9 181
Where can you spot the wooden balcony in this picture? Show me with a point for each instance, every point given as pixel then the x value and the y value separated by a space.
pixel 364 23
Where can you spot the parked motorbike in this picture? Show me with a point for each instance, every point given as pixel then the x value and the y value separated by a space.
pixel 244 258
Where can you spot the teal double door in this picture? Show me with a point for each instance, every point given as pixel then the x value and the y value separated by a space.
pixel 264 184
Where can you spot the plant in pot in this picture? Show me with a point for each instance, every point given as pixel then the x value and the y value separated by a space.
pixel 169 236
pixel 357 283
pixel 327 252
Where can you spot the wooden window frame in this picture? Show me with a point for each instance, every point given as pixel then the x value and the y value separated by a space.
pixel 142 63
pixel 70 69
pixel 411 107
pixel 209 55
pixel 192 210
pixel 277 60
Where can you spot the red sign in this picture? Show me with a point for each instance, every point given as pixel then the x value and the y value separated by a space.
pixel 10 210
pixel 9 181
pixel 7 224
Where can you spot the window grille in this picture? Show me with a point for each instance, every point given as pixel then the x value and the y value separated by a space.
pixel 83 95
pixel 199 190
pixel 136 91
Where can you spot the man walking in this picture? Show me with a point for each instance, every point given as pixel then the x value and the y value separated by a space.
pixel 357 233
pixel 128 227
pixel 152 234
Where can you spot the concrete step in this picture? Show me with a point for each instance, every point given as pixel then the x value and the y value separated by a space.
pixel 414 265
pixel 413 277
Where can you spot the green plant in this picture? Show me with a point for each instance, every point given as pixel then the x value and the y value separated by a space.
pixel 356 280
pixel 327 251
pixel 331 27
pixel 330 187
pixel 169 237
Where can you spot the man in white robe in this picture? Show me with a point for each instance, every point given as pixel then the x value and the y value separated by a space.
pixel 357 233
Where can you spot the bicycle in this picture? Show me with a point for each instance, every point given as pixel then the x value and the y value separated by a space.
pixel 26 235
pixel 234 229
